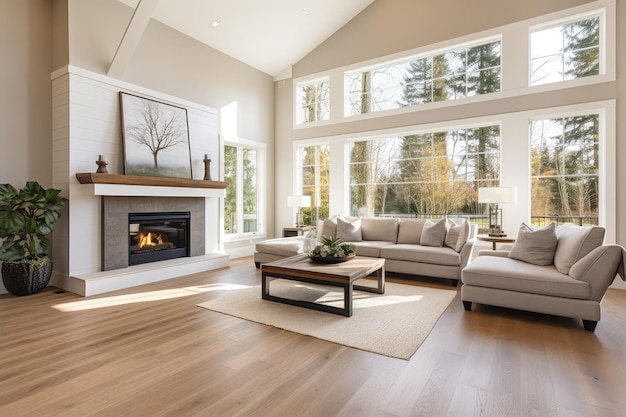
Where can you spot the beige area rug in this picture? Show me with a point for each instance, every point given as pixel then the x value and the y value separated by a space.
pixel 392 324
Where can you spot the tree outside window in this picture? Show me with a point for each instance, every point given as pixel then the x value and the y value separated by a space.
pixel 565 170
pixel 314 164
pixel 565 52
pixel 459 73
pixel 313 101
pixel 429 174
pixel 241 201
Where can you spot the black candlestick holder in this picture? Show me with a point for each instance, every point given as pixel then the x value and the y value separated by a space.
pixel 102 165
pixel 207 168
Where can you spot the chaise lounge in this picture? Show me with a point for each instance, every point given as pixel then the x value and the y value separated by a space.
pixel 564 273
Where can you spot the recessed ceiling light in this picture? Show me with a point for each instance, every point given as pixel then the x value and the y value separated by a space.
pixel 305 10
pixel 215 23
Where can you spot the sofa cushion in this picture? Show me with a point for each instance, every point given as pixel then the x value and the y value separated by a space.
pixel 424 254
pixel 457 233
pixel 370 248
pixel 349 231
pixel 535 246
pixel 410 230
pixel 286 246
pixel 513 275
pixel 433 233
pixel 573 243
pixel 376 228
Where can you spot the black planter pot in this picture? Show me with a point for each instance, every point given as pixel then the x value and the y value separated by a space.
pixel 24 278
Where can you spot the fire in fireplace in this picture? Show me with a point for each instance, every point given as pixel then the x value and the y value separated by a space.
pixel 157 236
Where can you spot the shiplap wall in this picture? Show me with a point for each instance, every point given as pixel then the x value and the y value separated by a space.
pixel 86 123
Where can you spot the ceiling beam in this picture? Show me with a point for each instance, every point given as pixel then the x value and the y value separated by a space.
pixel 135 29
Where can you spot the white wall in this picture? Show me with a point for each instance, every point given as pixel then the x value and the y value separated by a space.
pixel 86 114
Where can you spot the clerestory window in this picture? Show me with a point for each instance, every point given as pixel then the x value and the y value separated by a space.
pixel 457 73
pixel 566 51
pixel 313 101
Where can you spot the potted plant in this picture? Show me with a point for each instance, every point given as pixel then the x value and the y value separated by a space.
pixel 26 218
pixel 332 250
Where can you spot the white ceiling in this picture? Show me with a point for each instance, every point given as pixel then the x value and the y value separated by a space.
pixel 270 35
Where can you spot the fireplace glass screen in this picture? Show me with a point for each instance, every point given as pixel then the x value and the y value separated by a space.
pixel 157 236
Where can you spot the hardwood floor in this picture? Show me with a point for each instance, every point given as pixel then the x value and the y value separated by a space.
pixel 150 351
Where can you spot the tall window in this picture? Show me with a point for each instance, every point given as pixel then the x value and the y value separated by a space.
pixel 241 205
pixel 564 170
pixel 565 52
pixel 461 72
pixel 435 173
pixel 314 164
pixel 313 100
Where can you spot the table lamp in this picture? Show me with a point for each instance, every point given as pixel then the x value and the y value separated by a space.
pixel 495 196
pixel 298 201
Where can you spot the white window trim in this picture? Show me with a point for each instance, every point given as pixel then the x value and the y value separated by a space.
pixel 515 157
pixel 515 67
pixel 261 149
pixel 298 98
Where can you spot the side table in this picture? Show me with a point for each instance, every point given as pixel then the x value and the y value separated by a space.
pixel 495 239
pixel 296 231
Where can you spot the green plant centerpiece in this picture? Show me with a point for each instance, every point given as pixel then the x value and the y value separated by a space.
pixel 26 218
pixel 332 250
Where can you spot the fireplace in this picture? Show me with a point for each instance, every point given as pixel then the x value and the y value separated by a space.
pixel 158 236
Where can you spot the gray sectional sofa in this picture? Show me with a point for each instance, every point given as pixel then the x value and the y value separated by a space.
pixel 435 248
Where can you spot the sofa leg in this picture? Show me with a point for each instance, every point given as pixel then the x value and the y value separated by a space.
pixel 590 325
pixel 467 305
pixel 454 282
pixel 257 264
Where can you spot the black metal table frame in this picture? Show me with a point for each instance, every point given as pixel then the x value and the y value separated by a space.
pixel 348 288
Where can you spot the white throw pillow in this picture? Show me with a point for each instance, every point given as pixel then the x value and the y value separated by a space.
pixel 329 228
pixel 575 242
pixel 535 246
pixel 349 231
pixel 433 233
pixel 457 233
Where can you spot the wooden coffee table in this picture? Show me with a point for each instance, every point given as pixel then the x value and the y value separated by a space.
pixel 301 268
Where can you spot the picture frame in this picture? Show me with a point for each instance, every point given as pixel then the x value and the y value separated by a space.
pixel 155 138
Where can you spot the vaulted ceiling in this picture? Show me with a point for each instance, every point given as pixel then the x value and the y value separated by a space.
pixel 270 35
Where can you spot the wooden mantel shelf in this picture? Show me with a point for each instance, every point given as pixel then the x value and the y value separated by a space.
pixel 93 178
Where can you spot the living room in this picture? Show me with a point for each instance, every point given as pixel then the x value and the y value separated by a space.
pixel 47 41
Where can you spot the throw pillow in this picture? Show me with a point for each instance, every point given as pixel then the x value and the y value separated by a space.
pixel 575 242
pixel 349 231
pixel 410 230
pixel 535 246
pixel 457 233
pixel 433 233
pixel 329 228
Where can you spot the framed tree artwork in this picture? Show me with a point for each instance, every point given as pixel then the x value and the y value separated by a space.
pixel 156 138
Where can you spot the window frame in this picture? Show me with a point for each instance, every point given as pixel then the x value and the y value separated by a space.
pixel 430 54
pixel 599 13
pixel 515 65
pixel 298 96
pixel 261 152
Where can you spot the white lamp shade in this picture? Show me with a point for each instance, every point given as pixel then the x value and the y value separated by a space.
pixel 299 201
pixel 497 195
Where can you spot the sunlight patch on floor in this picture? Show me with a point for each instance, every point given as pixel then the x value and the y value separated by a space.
pixel 143 297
